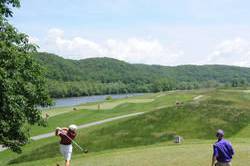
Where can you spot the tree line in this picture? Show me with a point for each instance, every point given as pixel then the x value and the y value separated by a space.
pixel 59 89
pixel 96 76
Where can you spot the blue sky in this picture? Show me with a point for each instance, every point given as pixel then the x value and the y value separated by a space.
pixel 141 31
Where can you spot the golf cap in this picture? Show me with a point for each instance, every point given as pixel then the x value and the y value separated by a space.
pixel 220 132
pixel 72 127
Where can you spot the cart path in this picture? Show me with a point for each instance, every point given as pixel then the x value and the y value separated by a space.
pixel 51 134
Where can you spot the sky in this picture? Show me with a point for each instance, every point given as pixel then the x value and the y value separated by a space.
pixel 164 32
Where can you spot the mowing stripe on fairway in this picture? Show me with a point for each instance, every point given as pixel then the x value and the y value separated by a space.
pixel 38 137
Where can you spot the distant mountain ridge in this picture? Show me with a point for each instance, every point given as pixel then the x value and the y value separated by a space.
pixel 150 77
pixel 103 69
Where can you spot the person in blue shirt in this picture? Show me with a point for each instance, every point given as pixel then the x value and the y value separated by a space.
pixel 222 151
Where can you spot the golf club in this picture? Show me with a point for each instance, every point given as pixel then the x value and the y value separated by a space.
pixel 84 150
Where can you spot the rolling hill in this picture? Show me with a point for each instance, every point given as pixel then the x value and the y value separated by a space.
pixel 106 75
pixel 152 133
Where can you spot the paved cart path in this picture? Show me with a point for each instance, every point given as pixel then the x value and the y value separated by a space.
pixel 89 125
pixel 47 135
pixel 51 134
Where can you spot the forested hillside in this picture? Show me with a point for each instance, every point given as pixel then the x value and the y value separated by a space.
pixel 105 75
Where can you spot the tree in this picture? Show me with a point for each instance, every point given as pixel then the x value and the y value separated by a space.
pixel 22 84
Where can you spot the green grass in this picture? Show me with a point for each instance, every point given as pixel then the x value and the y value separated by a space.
pixel 110 105
pixel 104 104
pixel 191 153
pixel 119 107
pixel 77 117
pixel 183 155
pixel 147 139
pixel 87 113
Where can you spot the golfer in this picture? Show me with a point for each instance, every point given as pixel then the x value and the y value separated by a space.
pixel 223 151
pixel 67 135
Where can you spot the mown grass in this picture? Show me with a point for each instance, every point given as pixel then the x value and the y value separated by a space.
pixel 125 106
pixel 77 117
pixel 192 153
pixel 190 121
pixel 81 116
pixel 108 104
pixel 112 104
pixel 193 120
pixel 181 155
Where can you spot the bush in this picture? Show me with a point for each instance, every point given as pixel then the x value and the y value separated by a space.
pixel 109 98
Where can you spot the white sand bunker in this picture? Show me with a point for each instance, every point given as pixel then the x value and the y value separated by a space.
pixel 198 97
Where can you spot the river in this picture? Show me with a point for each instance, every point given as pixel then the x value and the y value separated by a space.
pixel 72 101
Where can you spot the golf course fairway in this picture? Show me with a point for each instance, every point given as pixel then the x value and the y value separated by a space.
pixel 190 154
pixel 147 139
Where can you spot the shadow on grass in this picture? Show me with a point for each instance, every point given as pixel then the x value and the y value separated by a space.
pixel 48 151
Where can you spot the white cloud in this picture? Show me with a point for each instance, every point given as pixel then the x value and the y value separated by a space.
pixel 231 52
pixel 149 50
pixel 33 40
pixel 74 48
pixel 134 50
pixel 141 51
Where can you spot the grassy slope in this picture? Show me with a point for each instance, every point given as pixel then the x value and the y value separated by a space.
pixel 183 155
pixel 109 109
pixel 189 154
pixel 194 120
pixel 86 113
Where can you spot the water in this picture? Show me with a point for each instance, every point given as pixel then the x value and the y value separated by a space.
pixel 72 101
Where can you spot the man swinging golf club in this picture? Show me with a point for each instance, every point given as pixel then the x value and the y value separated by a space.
pixel 223 151
pixel 67 135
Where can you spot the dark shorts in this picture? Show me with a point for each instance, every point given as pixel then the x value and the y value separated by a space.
pixel 223 164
